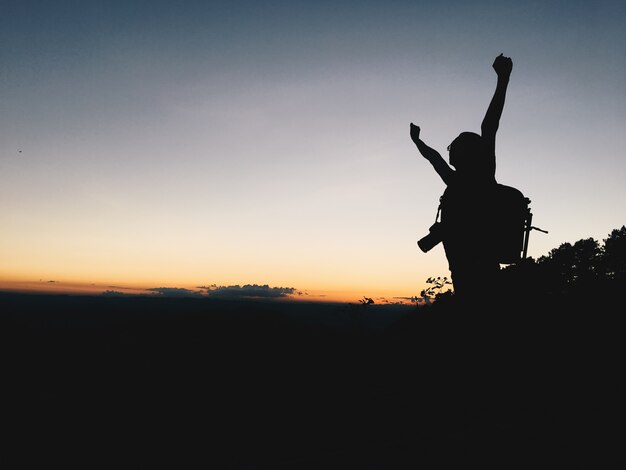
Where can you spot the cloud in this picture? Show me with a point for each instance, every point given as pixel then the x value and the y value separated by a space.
pixel 413 299
pixel 248 291
pixel 115 293
pixel 174 292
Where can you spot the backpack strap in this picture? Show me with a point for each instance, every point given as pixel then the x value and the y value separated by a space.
pixel 439 209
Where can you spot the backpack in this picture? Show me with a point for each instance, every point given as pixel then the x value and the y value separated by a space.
pixel 512 216
pixel 509 224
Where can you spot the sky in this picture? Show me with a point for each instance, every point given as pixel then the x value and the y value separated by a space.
pixel 161 144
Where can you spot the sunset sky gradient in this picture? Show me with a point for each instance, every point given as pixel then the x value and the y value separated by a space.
pixel 156 143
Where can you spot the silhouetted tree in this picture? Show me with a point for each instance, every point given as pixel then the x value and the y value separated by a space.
pixel 572 266
pixel 585 268
pixel 614 256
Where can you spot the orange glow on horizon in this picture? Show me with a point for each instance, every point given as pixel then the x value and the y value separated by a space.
pixel 44 286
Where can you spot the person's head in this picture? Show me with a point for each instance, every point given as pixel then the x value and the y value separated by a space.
pixel 466 152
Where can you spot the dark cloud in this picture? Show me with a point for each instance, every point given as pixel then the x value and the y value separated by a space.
pixel 174 292
pixel 414 300
pixel 115 293
pixel 248 291
pixel 215 291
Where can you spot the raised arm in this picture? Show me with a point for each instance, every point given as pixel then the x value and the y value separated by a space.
pixel 503 66
pixel 430 154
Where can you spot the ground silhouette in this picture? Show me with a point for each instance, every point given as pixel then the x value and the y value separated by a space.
pixel 149 382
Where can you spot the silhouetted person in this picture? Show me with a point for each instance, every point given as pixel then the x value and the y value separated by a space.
pixel 467 228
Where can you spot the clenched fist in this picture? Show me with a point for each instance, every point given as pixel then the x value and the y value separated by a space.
pixel 503 66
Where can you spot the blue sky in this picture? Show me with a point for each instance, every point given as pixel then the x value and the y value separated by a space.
pixel 191 143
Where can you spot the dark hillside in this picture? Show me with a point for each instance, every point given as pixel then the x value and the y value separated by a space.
pixel 98 382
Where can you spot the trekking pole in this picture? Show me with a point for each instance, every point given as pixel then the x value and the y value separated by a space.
pixel 529 220
pixel 527 229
